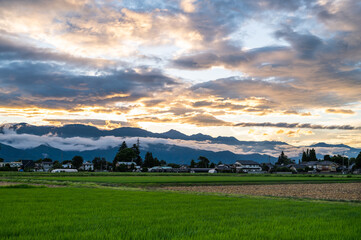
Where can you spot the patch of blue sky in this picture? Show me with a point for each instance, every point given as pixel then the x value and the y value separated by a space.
pixel 255 34
pixel 198 76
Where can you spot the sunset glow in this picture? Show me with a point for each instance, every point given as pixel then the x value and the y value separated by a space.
pixel 256 70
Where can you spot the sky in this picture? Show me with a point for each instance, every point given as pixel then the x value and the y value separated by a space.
pixel 256 70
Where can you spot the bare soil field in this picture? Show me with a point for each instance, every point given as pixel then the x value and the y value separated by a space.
pixel 332 191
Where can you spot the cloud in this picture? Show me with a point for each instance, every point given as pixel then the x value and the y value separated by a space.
pixel 341 111
pixel 53 87
pixel 282 93
pixel 298 125
pixel 105 124
pixel 26 141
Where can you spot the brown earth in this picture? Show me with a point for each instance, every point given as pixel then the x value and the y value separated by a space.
pixel 333 191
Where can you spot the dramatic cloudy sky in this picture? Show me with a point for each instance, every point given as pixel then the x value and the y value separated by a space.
pixel 256 70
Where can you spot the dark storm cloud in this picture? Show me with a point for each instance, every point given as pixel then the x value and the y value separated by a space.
pixel 49 85
pixel 305 44
pixel 231 60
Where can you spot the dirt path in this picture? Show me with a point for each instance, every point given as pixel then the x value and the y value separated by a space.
pixel 334 191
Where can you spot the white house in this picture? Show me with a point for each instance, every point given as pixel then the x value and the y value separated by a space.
pixel 247 166
pixel 47 166
pixel 87 166
pixel 11 164
pixel 67 165
pixel 63 170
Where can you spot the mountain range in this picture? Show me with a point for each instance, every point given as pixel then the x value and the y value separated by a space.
pixel 25 141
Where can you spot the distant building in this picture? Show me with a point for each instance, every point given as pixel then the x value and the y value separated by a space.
pixel 43 166
pixel 63 170
pixel 224 168
pixel 322 166
pixel 15 164
pixel 87 166
pixel 67 165
pixel 160 169
pixel 247 166
pixel 47 166
pixel 199 170
pixel 128 164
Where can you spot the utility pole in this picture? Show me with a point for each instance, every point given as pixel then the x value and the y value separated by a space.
pixel 343 165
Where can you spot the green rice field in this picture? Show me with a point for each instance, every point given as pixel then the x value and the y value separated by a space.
pixel 174 179
pixel 88 208
pixel 85 213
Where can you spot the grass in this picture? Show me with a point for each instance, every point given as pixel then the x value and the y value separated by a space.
pixel 83 213
pixel 159 180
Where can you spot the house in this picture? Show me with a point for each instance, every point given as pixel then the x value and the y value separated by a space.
pixel 15 164
pixel 212 171
pixel 64 170
pixel 160 169
pixel 43 166
pixel 322 166
pixel 297 167
pixel 224 168
pixel 128 164
pixel 87 166
pixel 47 166
pixel 247 166
pixel 199 170
pixel 67 165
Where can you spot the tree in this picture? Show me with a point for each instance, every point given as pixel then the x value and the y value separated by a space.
pixel 305 158
pixel 138 159
pixel 77 161
pixel 148 160
pixel 193 164
pixel 162 163
pixel 309 155
pixel 173 165
pixel 338 159
pixel 283 159
pixel 57 164
pixel 327 158
pixel 123 146
pixel 124 154
pixel 100 163
pixel 1 160
pixel 313 155
pixel 212 165
pixel 358 161
pixel 203 162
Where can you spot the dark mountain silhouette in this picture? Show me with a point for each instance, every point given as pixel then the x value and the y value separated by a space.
pixel 168 152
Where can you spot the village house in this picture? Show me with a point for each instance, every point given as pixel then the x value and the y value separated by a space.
pixel 224 168
pixel 43 166
pixel 160 169
pixel 247 166
pixel 87 166
pixel 322 166
pixel 67 165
